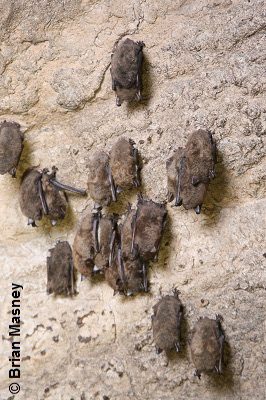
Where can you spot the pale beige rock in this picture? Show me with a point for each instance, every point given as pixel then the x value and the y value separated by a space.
pixel 204 68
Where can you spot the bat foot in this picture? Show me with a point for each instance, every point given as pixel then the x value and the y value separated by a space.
pixel 96 208
pixel 212 174
pixel 158 350
pixel 219 318
pixel 118 101
pixel 32 223
pixel 217 369
pixel 138 96
pixel 178 202
pixel 197 209
pixel 197 373
pixel 119 190
pixel 13 172
pixel 176 292
pixel 136 182
pixel 177 347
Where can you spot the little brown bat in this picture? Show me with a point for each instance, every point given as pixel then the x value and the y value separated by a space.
pixel 166 323
pixel 148 224
pixel 124 165
pixel 61 276
pixel 11 146
pixel 126 273
pixel 206 345
pixel 140 236
pixel 190 170
pixel 126 65
pixel 100 181
pixel 126 276
pixel 41 194
pixel 94 243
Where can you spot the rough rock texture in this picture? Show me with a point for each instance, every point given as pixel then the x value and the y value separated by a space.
pixel 204 68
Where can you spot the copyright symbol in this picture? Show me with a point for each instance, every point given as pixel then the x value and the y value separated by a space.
pixel 14 388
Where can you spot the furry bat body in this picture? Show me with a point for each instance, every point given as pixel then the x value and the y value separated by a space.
pixel 206 345
pixel 41 194
pixel 11 146
pixel 190 170
pixel 166 323
pixel 94 243
pixel 61 277
pixel 126 65
pixel 108 176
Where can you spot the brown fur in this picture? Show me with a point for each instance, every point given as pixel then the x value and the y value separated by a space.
pixel 193 168
pixel 126 232
pixel 150 220
pixel 98 179
pixel 134 278
pixel 29 199
pixel 124 164
pixel 166 323
pixel 126 64
pixel 11 146
pixel 206 345
pixel 125 276
pixel 32 183
pixel 85 251
pixel 105 231
pixel 61 277
pixel 83 247
pixel 56 200
pixel 113 278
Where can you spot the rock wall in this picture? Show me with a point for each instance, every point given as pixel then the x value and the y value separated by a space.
pixel 204 68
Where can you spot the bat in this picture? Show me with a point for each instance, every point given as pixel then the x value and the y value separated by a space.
pixel 126 65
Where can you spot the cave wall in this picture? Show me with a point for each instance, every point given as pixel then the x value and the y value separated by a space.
pixel 204 68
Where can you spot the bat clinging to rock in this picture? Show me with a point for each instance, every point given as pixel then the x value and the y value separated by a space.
pixel 108 176
pixel 100 181
pixel 126 276
pixel 41 194
pixel 61 276
pixel 140 236
pixel 124 165
pixel 190 170
pixel 94 243
pixel 126 65
pixel 11 146
pixel 148 224
pixel 206 345
pixel 166 323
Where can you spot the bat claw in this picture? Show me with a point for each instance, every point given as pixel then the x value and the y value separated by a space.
pixel 178 202
pixel 13 172
pixel 212 174
pixel 197 373
pixel 197 209
pixel 177 347
pixel 32 223
pixel 118 101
